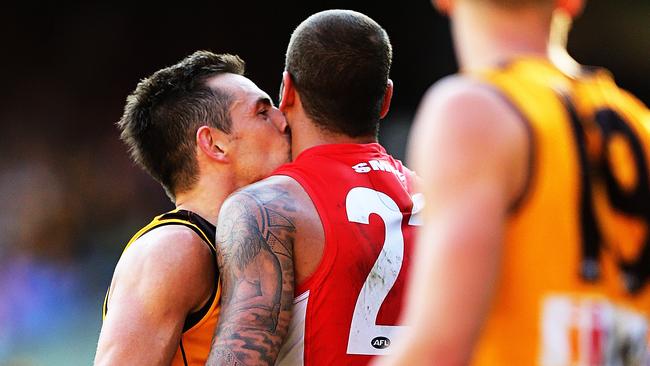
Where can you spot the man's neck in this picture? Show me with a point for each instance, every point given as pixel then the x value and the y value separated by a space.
pixel 206 198
pixel 486 35
pixel 307 134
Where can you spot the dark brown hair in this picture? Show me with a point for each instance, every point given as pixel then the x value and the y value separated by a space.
pixel 166 109
pixel 339 61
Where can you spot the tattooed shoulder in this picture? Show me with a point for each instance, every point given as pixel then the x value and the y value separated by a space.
pixel 255 235
pixel 265 213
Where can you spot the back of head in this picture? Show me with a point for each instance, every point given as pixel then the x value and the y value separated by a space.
pixel 166 109
pixel 339 61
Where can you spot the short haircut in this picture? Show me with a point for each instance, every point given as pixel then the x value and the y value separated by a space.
pixel 166 109
pixel 339 61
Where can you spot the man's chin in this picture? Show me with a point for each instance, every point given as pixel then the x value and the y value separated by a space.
pixel 270 168
pixel 285 160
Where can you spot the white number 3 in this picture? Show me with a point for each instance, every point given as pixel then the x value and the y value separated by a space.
pixel 366 337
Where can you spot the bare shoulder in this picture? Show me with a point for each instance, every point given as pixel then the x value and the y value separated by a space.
pixel 164 275
pixel 170 258
pixel 265 210
pixel 176 238
pixel 466 127
pixel 278 199
pixel 171 245
pixel 465 105
pixel 274 186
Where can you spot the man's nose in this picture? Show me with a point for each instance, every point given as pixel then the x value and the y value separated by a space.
pixel 280 121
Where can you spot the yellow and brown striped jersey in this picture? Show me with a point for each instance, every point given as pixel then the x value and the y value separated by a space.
pixel 199 326
pixel 574 282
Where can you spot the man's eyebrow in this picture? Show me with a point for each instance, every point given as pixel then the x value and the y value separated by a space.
pixel 264 101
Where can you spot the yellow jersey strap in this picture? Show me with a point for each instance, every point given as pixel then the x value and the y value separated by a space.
pixel 204 229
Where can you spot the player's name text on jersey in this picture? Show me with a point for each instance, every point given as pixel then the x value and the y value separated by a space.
pixel 378 165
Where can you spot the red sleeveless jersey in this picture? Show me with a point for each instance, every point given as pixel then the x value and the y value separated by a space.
pixel 347 311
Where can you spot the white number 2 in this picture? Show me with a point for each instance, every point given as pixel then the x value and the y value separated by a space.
pixel 366 337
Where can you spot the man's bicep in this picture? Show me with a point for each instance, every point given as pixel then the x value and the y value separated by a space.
pixel 465 164
pixel 255 256
pixel 130 335
pixel 139 327
pixel 158 281
pixel 458 254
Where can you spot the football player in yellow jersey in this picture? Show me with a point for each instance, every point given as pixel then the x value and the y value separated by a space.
pixel 536 244
pixel 202 130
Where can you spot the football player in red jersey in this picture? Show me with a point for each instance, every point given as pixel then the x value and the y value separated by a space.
pixel 314 258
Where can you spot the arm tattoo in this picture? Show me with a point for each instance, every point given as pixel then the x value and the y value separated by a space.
pixel 255 236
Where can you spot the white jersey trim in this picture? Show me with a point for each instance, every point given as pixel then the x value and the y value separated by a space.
pixel 292 352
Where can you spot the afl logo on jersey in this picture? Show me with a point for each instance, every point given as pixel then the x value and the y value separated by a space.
pixel 380 342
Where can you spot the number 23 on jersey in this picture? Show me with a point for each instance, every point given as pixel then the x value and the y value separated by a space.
pixel 366 337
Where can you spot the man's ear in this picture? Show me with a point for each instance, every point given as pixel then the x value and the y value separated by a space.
pixel 573 7
pixel 287 92
pixel 385 104
pixel 213 143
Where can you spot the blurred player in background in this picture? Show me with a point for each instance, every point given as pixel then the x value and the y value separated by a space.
pixel 342 212
pixel 202 130
pixel 535 246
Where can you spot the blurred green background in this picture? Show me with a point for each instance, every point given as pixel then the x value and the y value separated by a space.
pixel 71 198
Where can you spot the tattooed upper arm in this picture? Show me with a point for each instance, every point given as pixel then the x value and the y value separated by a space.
pixel 255 235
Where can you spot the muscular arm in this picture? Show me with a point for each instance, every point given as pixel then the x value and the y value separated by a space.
pixel 470 150
pixel 255 238
pixel 165 275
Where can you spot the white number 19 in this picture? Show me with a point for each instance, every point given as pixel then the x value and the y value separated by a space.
pixel 366 337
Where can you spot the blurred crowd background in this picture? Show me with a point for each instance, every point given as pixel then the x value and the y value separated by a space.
pixel 70 196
